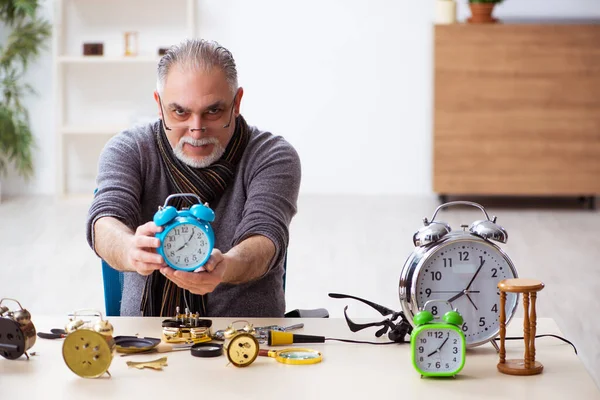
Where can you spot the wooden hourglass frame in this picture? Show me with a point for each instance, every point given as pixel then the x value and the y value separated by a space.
pixel 528 288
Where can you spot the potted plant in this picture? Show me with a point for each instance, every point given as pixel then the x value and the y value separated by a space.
pixel 27 33
pixel 481 11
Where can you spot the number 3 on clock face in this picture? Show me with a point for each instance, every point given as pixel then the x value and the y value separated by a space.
pixel 466 274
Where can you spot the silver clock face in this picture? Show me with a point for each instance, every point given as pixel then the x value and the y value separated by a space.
pixel 466 274
pixel 438 350
pixel 185 246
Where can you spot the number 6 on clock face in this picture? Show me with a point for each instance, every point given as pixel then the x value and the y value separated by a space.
pixel 462 268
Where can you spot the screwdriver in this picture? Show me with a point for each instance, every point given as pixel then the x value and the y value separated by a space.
pixel 277 338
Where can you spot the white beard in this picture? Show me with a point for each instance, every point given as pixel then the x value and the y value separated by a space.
pixel 204 162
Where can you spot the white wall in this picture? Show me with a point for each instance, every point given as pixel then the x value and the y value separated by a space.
pixel 347 82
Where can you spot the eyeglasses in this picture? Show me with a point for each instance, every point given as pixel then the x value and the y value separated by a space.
pixel 397 331
pixel 212 117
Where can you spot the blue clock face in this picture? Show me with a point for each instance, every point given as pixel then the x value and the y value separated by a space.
pixel 186 246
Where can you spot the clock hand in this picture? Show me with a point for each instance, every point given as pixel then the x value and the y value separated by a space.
pixel 451 299
pixel 469 297
pixel 461 293
pixel 445 291
pixel 435 351
pixel 439 348
pixel 443 343
pixel 187 241
pixel 476 272
pixel 454 291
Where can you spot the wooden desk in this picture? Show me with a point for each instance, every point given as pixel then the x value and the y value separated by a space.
pixel 347 371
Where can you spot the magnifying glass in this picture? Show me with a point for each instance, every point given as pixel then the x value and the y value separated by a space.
pixel 294 356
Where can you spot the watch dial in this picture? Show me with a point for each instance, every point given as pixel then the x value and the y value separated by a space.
pixel 185 245
pixel 438 350
pixel 466 274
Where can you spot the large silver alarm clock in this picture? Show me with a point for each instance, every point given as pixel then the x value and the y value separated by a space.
pixel 463 268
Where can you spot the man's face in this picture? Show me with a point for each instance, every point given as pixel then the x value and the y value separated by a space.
pixel 196 99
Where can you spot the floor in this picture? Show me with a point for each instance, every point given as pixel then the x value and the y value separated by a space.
pixel 346 244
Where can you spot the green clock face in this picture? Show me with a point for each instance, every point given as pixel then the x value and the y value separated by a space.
pixel 438 349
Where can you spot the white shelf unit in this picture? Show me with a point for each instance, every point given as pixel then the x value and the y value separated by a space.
pixel 97 97
pixel 106 59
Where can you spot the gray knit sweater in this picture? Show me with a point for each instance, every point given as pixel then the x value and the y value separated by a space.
pixel 261 200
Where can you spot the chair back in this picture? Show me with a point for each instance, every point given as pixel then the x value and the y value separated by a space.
pixel 113 289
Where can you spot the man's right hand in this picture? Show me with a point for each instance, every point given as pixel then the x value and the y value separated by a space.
pixel 141 252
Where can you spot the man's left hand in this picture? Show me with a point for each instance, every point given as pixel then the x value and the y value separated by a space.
pixel 205 280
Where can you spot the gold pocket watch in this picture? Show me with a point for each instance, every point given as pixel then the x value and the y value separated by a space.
pixel 17 332
pixel 89 347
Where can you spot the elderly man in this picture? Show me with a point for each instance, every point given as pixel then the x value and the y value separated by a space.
pixel 200 144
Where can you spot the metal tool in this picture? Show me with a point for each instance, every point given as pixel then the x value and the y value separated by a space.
pixel 162 348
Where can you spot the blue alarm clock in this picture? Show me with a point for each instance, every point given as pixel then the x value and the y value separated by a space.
pixel 187 238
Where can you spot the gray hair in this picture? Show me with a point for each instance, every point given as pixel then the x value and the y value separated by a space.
pixel 194 54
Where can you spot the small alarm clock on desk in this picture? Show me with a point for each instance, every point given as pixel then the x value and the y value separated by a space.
pixel 438 347
pixel 187 238
pixel 17 332
pixel 89 347
pixel 463 268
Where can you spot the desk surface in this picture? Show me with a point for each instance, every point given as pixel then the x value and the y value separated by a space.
pixel 347 370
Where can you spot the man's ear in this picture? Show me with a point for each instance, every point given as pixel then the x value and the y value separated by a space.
pixel 157 99
pixel 238 100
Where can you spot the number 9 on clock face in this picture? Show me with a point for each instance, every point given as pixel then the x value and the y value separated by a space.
pixel 186 245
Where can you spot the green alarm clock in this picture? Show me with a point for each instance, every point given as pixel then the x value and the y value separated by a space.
pixel 187 238
pixel 438 348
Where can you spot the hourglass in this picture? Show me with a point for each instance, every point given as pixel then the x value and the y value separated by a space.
pixel 528 288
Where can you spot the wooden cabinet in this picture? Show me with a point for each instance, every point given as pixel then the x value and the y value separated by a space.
pixel 517 109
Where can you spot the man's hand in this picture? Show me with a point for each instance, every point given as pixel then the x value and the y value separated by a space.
pixel 141 253
pixel 207 277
